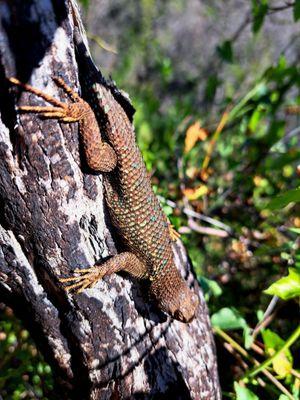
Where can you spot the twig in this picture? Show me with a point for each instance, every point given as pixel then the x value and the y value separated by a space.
pixel 267 317
pixel 262 367
pixel 257 349
pixel 278 384
pixel 287 137
pixel 280 8
pixel 295 373
pixel 242 27
pixel 236 355
pixel 260 351
pixel 242 351
pixel 101 43
pixel 214 139
pixel 239 359
pixel 205 230
pixel 194 214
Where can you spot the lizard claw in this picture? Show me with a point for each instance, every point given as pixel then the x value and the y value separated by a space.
pixel 87 279
pixel 173 233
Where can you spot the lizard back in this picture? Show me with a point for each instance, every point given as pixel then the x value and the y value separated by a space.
pixel 133 206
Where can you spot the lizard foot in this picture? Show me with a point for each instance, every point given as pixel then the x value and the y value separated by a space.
pixel 87 279
pixel 173 233
pixel 100 156
pixel 66 112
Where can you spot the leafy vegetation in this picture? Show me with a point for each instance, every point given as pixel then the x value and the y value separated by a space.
pixel 226 168
pixel 23 373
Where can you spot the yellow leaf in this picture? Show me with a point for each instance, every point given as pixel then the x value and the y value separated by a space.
pixel 204 174
pixel 297 222
pixel 260 181
pixel 192 172
pixel 194 194
pixel 238 247
pixel 282 365
pixel 257 180
pixel 193 134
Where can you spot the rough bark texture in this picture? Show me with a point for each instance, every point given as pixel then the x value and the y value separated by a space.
pixel 109 342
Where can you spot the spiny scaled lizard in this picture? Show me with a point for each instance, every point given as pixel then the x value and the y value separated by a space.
pixel 132 204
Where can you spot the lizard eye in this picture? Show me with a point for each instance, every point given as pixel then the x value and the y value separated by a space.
pixel 178 315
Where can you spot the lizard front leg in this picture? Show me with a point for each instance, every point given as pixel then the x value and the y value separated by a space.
pixel 126 261
pixel 100 156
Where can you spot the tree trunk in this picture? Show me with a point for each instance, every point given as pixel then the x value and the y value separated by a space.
pixel 109 342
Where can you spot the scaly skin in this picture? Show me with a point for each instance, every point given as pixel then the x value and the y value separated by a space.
pixel 133 207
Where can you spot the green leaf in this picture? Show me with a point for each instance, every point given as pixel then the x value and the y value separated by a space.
pixel 225 51
pixel 283 363
pixel 287 287
pixel 295 230
pixel 228 318
pixel 259 11
pixel 210 286
pixel 212 84
pixel 255 118
pixel 296 10
pixel 273 341
pixel 243 393
pixel 283 397
pixel 284 199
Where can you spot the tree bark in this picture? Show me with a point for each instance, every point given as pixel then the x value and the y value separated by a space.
pixel 109 342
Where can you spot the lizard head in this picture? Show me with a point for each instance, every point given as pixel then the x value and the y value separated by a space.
pixel 175 298
pixel 186 306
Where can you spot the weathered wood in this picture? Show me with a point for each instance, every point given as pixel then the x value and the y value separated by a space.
pixel 110 341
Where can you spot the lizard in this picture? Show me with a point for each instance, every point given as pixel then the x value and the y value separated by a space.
pixel 133 207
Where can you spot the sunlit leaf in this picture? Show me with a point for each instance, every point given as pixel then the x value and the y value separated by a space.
pixel 194 194
pixel 272 340
pixel 287 287
pixel 295 230
pixel 242 393
pixel 297 222
pixel 255 118
pixel 228 318
pixel 260 182
pixel 194 133
pixel 283 363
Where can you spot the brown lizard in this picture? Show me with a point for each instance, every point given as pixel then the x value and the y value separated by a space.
pixel 132 204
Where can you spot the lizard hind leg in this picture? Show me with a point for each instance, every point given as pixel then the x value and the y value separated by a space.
pixel 38 93
pixel 48 112
pixel 59 110
pixel 100 155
